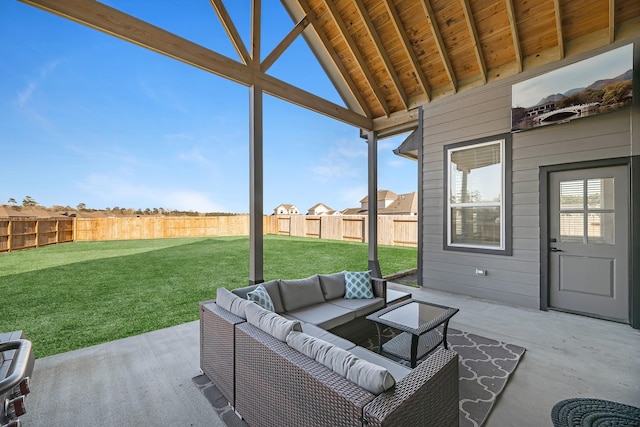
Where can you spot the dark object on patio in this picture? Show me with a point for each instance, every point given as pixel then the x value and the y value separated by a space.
pixel 584 412
pixel 16 365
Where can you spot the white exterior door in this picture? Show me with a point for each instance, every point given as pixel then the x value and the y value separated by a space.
pixel 589 242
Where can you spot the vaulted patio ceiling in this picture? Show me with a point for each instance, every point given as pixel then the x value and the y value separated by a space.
pixel 387 57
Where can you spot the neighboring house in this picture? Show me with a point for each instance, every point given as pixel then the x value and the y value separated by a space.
pixel 389 203
pixel 320 209
pixel 385 198
pixel 286 209
pixel 404 204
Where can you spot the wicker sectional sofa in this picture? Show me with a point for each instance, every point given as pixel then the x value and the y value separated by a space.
pixel 285 368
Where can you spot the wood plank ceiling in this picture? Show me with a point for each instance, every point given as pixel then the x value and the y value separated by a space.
pixel 387 57
pixel 395 55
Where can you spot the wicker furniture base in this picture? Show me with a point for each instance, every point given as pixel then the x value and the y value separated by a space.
pixel 585 412
pixel 278 386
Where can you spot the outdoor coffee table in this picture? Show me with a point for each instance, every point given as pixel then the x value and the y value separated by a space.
pixel 418 322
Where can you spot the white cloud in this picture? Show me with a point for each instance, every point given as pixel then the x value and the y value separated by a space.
pixel 112 190
pixel 195 156
pixel 344 159
pixel 190 200
pixel 26 95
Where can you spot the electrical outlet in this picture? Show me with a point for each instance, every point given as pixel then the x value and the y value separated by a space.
pixel 481 272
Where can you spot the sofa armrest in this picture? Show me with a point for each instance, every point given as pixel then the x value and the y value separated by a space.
pixel 428 396
pixel 379 286
pixel 217 346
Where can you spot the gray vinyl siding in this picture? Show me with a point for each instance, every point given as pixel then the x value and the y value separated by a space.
pixel 483 112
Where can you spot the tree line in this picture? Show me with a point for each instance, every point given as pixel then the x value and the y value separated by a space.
pixel 29 202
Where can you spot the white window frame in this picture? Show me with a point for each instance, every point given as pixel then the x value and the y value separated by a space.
pixel 504 248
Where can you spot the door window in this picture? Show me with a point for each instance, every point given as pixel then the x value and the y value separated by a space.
pixel 587 211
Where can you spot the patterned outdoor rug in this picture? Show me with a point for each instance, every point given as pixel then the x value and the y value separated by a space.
pixel 484 367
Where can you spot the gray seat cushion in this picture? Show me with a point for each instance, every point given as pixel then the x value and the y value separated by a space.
pixel 361 307
pixel 326 316
pixel 317 332
pixel 332 285
pixel 397 370
pixel 300 293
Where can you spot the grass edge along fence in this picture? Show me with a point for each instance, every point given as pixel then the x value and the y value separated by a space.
pixel 393 230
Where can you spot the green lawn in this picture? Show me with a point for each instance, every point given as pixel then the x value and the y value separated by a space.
pixel 74 295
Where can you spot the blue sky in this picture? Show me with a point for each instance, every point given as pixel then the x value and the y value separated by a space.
pixel 89 118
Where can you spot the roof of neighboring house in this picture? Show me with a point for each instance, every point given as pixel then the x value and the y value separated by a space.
pixel 354 211
pixel 286 206
pixel 382 195
pixel 404 204
pixel 317 205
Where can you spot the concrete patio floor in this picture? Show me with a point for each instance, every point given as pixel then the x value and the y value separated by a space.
pixel 145 380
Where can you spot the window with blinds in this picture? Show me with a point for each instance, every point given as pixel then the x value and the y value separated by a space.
pixel 475 201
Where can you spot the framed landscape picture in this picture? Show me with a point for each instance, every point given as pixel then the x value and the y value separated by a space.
pixel 593 86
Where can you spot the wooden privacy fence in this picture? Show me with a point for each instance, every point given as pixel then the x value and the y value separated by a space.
pixel 148 227
pixel 23 233
pixel 393 230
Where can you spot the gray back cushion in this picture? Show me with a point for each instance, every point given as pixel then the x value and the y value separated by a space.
pixel 373 378
pixel 301 293
pixel 332 285
pixel 231 302
pixel 270 322
pixel 272 288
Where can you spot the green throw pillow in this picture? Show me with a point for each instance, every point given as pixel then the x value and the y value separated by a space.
pixel 358 285
pixel 261 297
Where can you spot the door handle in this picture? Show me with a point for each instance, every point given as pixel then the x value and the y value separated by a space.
pixel 555 250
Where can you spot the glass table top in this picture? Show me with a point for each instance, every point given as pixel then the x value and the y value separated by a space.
pixel 414 315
